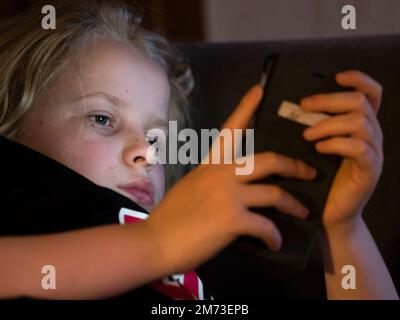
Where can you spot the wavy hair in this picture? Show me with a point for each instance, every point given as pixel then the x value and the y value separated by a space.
pixel 31 58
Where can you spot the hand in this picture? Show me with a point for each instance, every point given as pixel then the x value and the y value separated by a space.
pixel 208 208
pixel 354 133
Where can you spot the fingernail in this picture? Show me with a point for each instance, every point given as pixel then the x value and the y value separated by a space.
pixel 318 146
pixel 305 212
pixel 256 92
pixel 311 172
pixel 305 102
pixel 307 133
pixel 341 76
pixel 277 247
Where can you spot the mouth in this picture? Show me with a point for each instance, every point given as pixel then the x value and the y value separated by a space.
pixel 141 189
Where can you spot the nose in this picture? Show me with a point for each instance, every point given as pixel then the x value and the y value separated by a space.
pixel 134 153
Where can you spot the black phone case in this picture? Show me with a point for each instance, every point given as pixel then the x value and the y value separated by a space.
pixel 290 78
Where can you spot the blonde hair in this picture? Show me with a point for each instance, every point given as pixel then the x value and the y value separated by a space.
pixel 31 58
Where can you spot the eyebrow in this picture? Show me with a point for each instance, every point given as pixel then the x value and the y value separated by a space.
pixel 99 94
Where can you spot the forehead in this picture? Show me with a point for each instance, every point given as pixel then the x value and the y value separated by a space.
pixel 120 70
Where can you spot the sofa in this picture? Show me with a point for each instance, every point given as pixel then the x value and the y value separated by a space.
pixel 223 72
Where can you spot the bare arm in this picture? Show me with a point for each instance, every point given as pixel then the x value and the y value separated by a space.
pixel 90 263
pixel 354 245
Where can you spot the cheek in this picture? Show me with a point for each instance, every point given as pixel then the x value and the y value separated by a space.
pixel 91 160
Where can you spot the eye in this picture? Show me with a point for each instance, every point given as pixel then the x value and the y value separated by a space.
pixel 100 120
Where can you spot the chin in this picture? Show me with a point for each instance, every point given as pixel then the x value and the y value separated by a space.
pixel 130 197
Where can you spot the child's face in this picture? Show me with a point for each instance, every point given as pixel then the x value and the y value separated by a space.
pixel 95 118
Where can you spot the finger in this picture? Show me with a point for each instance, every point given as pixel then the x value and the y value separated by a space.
pixel 341 102
pixel 268 163
pixel 243 113
pixel 264 195
pixel 364 83
pixel 355 125
pixel 351 148
pixel 260 227
pixel 239 120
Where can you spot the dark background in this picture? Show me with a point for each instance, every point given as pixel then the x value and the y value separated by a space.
pixel 178 20
pixel 186 21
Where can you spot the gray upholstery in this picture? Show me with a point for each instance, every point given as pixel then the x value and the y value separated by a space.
pixel 223 72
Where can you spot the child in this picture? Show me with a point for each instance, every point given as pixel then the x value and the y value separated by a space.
pixel 87 93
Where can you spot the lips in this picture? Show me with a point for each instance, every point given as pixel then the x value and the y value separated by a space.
pixel 141 189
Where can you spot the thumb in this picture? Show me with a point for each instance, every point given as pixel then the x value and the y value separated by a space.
pixel 239 119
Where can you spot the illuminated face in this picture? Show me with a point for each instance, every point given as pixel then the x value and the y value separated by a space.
pixel 94 119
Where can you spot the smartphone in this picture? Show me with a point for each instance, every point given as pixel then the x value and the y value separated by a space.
pixel 278 127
